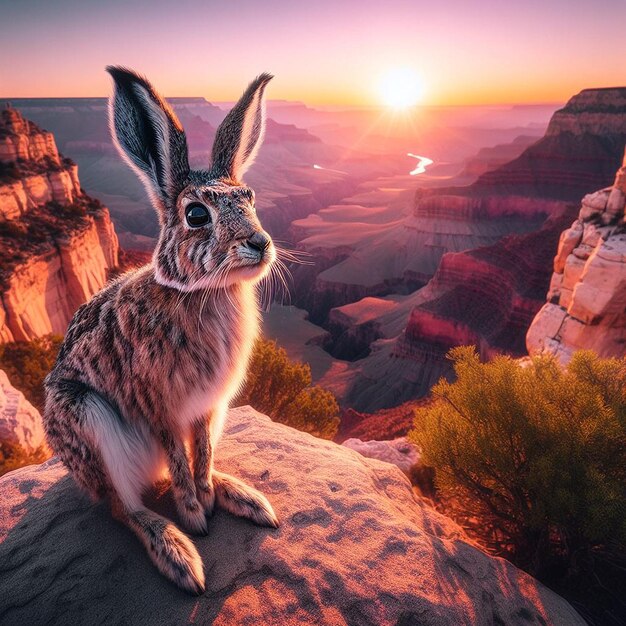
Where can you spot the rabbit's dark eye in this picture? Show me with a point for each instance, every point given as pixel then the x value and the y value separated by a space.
pixel 197 215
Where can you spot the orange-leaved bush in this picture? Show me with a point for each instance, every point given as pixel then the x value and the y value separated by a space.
pixel 13 456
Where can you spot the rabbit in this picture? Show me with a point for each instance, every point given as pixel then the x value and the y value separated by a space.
pixel 148 366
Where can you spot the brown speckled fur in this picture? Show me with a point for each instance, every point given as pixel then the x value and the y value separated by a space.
pixel 152 361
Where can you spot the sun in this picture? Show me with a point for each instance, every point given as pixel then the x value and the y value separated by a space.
pixel 400 88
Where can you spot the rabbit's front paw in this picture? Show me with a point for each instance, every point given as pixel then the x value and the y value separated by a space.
pixel 206 496
pixel 192 516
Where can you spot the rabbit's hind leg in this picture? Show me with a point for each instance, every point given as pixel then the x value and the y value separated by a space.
pixel 62 421
pixel 132 458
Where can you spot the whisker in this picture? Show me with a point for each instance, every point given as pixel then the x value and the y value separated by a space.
pixel 294 256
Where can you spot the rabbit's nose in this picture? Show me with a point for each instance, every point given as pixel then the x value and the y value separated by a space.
pixel 259 242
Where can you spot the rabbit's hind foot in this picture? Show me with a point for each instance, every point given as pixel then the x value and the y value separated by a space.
pixel 241 500
pixel 173 554
pixel 192 516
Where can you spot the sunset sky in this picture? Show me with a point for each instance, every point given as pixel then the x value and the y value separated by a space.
pixel 322 52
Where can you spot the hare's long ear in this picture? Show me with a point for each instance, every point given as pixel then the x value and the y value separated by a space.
pixel 148 135
pixel 239 136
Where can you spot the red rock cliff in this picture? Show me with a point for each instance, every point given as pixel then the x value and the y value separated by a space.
pixel 56 243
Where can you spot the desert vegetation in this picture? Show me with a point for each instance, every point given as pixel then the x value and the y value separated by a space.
pixel 27 363
pixel 531 459
pixel 282 389
pixel 13 456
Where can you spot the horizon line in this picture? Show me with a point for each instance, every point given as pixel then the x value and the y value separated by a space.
pixel 327 104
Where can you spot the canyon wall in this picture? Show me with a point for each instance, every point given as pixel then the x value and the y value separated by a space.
pixel 485 297
pixel 586 307
pixel 488 296
pixel 57 243
pixel 581 150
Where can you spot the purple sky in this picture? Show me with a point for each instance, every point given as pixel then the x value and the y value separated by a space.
pixel 322 52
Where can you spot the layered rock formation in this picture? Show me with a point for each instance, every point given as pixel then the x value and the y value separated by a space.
pixel 287 186
pixel 485 297
pixel 20 422
pixel 581 150
pixel 57 243
pixel 586 307
pixel 355 546
pixel 394 240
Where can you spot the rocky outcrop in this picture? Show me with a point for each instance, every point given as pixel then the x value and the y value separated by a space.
pixel 57 243
pixel 343 518
pixel 399 452
pixel 36 189
pixel 20 422
pixel 23 140
pixel 586 307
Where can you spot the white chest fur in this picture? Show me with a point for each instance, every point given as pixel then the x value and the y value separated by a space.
pixel 232 345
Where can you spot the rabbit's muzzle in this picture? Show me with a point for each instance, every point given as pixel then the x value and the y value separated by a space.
pixel 259 243
pixel 254 255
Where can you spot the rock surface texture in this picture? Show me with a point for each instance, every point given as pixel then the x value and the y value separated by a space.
pixel 399 452
pixel 56 243
pixel 20 421
pixel 586 307
pixel 355 546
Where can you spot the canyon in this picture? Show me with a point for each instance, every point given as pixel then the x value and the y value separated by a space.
pixel 399 268
pixel 485 295
pixel 57 243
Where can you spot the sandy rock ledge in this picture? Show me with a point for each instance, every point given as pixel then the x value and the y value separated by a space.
pixel 354 547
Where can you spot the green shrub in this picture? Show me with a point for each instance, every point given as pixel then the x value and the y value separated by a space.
pixel 281 389
pixel 537 450
pixel 27 363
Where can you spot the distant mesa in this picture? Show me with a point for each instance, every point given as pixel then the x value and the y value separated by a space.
pixel 581 150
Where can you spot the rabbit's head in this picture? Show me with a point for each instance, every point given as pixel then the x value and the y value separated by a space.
pixel 210 235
